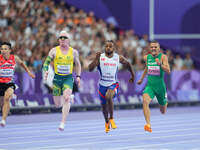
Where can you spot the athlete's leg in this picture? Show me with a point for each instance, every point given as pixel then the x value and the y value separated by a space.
pixel 1 102
pixel 162 99
pixel 66 104
pixel 163 109
pixel 6 103
pixel 146 110
pixel 104 106
pixel 105 111
pixel 109 98
pixel 57 101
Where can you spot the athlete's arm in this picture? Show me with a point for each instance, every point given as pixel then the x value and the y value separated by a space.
pixel 95 62
pixel 144 73
pixel 78 66
pixel 77 62
pixel 125 62
pixel 165 64
pixel 19 61
pixel 49 58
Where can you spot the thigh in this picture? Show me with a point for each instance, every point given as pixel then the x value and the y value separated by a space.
pixel 57 89
pixel 57 86
pixel 113 89
pixel 110 94
pixel 102 94
pixel 57 101
pixel 161 96
pixel 9 93
pixel 149 91
pixel 67 83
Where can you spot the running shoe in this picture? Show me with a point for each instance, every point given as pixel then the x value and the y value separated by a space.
pixel 2 123
pixel 147 127
pixel 107 127
pixel 113 125
pixel 61 127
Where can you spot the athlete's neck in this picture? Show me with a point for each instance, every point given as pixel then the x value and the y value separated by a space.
pixel 109 55
pixel 155 55
pixel 6 56
pixel 64 48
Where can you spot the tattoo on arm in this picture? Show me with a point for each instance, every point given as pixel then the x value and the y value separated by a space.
pixel 49 59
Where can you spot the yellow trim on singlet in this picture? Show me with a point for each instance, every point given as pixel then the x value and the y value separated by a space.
pixel 63 64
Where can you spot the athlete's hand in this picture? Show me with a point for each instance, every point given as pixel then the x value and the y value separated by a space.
pixel 46 75
pixel 78 80
pixel 31 74
pixel 157 61
pixel 98 54
pixel 139 82
pixel 131 80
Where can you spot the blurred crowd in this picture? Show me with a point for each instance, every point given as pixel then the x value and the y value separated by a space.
pixel 32 27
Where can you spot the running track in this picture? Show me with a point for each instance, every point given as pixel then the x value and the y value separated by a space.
pixel 179 129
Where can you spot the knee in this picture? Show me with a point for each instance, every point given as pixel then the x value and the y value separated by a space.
pixel 66 94
pixel 145 102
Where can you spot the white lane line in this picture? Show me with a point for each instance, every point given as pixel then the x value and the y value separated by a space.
pixel 165 143
pixel 77 124
pixel 114 141
pixel 134 118
pixel 93 137
pixel 126 123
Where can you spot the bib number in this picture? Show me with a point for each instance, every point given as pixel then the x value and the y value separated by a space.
pixel 63 69
pixel 154 70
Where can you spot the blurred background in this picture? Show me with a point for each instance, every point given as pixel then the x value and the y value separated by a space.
pixel 32 27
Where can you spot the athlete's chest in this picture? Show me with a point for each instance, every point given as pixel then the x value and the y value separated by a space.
pixel 10 63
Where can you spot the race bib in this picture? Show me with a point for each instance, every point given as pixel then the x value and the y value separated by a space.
pixel 154 70
pixel 63 69
pixel 6 72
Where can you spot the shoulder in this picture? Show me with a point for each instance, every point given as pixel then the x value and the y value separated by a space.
pixel 17 59
pixel 163 56
pixel 116 55
pixel 145 57
pixel 75 52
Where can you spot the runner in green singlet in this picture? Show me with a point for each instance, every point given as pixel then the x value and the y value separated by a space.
pixel 156 65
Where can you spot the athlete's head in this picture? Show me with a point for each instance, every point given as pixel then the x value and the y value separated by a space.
pixel 109 47
pixel 63 39
pixel 5 48
pixel 154 48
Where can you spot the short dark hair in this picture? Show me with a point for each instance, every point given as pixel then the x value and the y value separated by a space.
pixel 154 41
pixel 6 43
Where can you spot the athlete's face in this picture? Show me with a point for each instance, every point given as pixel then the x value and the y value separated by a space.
pixel 5 50
pixel 63 40
pixel 109 48
pixel 155 48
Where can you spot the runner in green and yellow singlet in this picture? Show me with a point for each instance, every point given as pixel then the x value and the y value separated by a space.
pixel 156 65
pixel 63 57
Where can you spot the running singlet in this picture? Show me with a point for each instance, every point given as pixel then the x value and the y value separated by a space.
pixel 155 72
pixel 108 69
pixel 7 68
pixel 63 64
